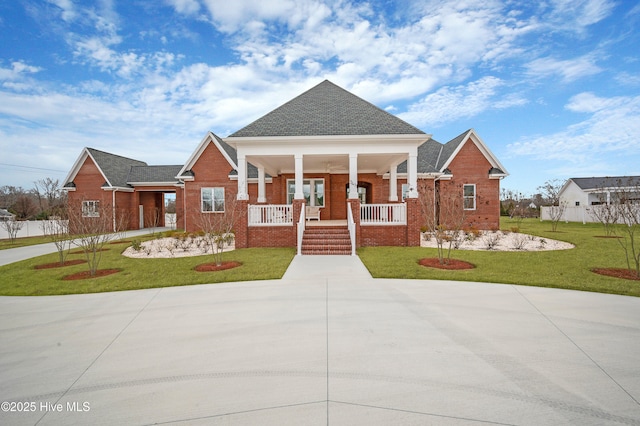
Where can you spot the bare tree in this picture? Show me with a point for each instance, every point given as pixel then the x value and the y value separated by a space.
pixel 56 228
pixel 551 191
pixel 515 206
pixel 627 198
pixel 607 214
pixel 25 206
pixel 91 232
pixel 12 226
pixel 122 219
pixel 152 219
pixel 48 193
pixel 444 218
pixel 218 227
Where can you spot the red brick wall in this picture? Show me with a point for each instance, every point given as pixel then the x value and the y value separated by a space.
pixel 392 235
pixel 471 167
pixel 89 183
pixel 211 170
pixel 272 236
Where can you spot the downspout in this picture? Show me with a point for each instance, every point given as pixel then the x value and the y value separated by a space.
pixel 113 207
pixel 184 205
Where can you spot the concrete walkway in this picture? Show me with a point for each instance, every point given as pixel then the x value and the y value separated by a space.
pixel 327 344
pixel 22 253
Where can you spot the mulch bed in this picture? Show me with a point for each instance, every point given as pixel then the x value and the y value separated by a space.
pixel 86 275
pixel 617 273
pixel 212 267
pixel 453 264
pixel 58 265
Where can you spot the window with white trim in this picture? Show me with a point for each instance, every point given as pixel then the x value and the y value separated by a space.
pixel 469 196
pixel 212 200
pixel 91 208
pixel 405 191
pixel 313 190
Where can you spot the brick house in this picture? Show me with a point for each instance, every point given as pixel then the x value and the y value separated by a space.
pixel 326 171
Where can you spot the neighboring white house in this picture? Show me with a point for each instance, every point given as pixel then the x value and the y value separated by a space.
pixel 579 194
pixel 6 215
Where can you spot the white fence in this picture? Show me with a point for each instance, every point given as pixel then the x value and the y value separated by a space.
pixel 34 228
pixel 270 215
pixel 572 214
pixel 30 228
pixel 383 214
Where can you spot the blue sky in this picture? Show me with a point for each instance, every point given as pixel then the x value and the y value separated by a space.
pixel 552 87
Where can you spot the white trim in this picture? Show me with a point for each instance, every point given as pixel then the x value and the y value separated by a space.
pixel 117 188
pixel 78 165
pixel 473 136
pixel 213 199
pixel 337 139
pixel 464 197
pixel 172 183
pixel 209 138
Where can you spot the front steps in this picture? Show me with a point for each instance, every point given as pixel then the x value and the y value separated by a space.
pixel 326 240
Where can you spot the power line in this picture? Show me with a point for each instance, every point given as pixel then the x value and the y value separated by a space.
pixel 32 168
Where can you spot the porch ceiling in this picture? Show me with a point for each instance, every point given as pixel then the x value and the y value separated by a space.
pixel 326 163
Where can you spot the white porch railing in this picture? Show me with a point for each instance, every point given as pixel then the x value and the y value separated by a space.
pixel 351 226
pixel 270 215
pixel 302 223
pixel 383 214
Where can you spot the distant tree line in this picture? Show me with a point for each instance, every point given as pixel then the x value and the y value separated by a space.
pixel 44 200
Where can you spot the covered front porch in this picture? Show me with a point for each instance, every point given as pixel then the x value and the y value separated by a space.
pixel 352 179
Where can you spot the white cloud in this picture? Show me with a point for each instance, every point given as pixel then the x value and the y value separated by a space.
pixel 452 103
pixel 577 15
pixel 612 128
pixel 188 7
pixel 68 13
pixel 18 70
pixel 569 69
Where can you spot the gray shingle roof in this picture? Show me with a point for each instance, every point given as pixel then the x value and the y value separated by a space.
pixel 324 110
pixel 428 154
pixel 606 182
pixel 432 155
pixel 115 167
pixel 150 174
pixel 450 147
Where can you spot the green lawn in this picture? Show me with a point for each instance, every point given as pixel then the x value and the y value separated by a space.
pixel 570 269
pixel 21 279
pixel 23 242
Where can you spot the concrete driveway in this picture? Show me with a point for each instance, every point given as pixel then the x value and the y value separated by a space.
pixel 327 344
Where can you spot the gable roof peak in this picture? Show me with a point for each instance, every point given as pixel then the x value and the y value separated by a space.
pixel 327 110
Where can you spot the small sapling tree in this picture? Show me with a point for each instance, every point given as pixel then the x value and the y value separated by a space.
pixel 92 228
pixel 627 195
pixel 56 228
pixel 444 217
pixel 217 225
pixel 12 226
pixel 551 191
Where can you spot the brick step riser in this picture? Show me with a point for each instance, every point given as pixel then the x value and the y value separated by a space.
pixel 326 241
pixel 332 232
pixel 320 252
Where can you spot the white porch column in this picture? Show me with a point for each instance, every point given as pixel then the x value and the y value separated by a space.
pixel 243 193
pixel 353 176
pixel 261 186
pixel 299 193
pixel 412 174
pixel 393 183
